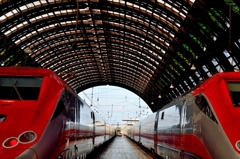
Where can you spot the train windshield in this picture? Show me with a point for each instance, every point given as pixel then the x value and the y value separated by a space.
pixel 234 90
pixel 20 88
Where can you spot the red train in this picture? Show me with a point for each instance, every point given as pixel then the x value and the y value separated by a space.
pixel 42 118
pixel 202 124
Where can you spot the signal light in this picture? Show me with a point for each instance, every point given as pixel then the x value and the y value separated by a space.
pixel 27 137
pixel 10 142
pixel 238 145
pixel 13 142
pixel 24 138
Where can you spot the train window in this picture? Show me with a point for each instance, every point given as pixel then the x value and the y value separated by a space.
pixel 162 117
pixel 72 108
pixel 77 110
pixel 69 102
pixel 234 90
pixel 92 115
pixel 20 88
pixel 203 105
pixel 59 109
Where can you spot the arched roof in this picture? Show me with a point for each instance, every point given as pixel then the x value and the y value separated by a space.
pixel 143 46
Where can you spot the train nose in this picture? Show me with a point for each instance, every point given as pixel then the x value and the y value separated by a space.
pixel 19 154
pixel 232 131
pixel 28 154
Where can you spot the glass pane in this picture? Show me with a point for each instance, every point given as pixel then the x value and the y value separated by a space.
pixel 234 90
pixel 20 88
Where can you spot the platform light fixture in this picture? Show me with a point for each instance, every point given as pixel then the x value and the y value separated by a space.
pixel 159 96
pixel 152 97
pixel 193 67
pixel 171 86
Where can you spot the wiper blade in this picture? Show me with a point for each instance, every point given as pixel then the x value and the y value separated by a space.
pixel 15 87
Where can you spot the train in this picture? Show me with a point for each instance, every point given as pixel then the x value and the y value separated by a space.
pixel 203 123
pixel 41 117
pixel 119 131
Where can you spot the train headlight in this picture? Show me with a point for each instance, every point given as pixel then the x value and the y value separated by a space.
pixel 10 142
pixel 27 137
pixel 238 145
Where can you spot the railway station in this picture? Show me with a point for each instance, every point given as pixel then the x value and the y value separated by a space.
pixel 179 57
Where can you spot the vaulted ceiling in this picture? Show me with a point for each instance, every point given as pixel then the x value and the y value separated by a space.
pixel 143 46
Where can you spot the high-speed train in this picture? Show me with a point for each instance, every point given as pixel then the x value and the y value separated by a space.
pixel 202 124
pixel 42 118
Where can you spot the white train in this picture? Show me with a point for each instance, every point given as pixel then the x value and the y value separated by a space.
pixel 202 124
pixel 42 118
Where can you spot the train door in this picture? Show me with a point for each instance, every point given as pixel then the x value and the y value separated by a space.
pixel 182 116
pixel 155 140
pixel 70 102
pixel 77 105
pixel 139 132
pixel 105 133
pixel 73 110
pixel 186 126
pixel 93 121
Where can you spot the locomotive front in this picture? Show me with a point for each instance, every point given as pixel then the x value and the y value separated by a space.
pixel 20 123
pixel 220 134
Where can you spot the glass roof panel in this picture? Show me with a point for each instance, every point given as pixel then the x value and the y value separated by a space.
pixel 136 43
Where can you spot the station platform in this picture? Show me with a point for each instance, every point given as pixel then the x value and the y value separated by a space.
pixel 119 148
